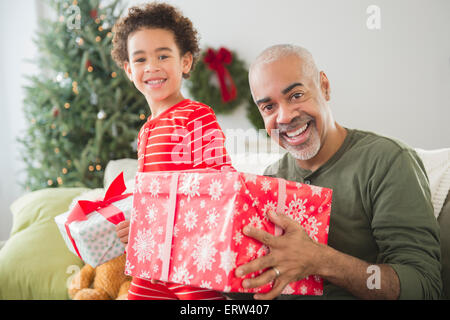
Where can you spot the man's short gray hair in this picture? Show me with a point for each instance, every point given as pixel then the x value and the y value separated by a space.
pixel 278 51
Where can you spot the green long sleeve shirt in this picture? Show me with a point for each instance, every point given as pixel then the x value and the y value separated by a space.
pixel 381 211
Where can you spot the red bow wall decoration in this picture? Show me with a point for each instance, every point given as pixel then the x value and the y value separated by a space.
pixel 216 61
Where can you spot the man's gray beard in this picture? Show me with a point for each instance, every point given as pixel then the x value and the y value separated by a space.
pixel 306 150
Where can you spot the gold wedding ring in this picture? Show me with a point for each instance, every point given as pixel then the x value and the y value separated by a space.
pixel 277 272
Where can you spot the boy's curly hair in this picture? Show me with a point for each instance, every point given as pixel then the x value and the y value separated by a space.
pixel 155 15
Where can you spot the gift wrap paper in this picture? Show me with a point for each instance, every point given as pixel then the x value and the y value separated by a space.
pixel 95 237
pixel 186 227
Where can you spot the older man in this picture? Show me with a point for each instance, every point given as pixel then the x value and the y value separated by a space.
pixel 383 238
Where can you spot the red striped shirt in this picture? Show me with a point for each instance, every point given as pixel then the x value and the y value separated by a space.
pixel 185 136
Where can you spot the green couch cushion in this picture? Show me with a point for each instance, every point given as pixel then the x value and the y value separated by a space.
pixel 35 262
pixel 41 205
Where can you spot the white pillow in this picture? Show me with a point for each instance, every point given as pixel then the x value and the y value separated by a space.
pixel 114 167
pixel 437 166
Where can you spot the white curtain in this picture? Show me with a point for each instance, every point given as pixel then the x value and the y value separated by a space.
pixel 18 26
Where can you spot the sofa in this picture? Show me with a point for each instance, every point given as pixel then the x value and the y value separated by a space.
pixel 36 264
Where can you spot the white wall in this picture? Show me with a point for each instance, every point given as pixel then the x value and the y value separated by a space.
pixel 394 81
pixel 18 22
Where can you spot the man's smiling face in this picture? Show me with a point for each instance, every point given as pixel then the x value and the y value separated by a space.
pixel 292 104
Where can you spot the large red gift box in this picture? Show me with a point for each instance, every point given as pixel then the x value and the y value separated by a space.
pixel 186 227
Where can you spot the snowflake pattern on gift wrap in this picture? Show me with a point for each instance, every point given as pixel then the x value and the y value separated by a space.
pixel 316 190
pixel 190 219
pixel 237 186
pixel 288 290
pixel 143 200
pixel 190 185
pixel 175 231
pixel 228 260
pixel 155 268
pixel 206 284
pixel 152 210
pixel 144 245
pixel 263 250
pixel 269 206
pixel 202 204
pixel 211 218
pixel 128 267
pixel 144 274
pixel 160 230
pixel 139 183
pixel 256 222
pixel 250 177
pixel 296 209
pixel 255 202
pixel 181 274
pixel 311 227
pixel 184 243
pixel 218 278
pixel 204 252
pixel 154 187
pixel 238 237
pixel 251 250
pixel 215 189
pixel 318 292
pixel 303 289
pixel 265 185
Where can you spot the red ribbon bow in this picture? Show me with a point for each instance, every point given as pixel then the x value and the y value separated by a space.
pixel 216 62
pixel 104 207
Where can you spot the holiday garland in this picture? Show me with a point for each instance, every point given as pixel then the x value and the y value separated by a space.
pixel 220 80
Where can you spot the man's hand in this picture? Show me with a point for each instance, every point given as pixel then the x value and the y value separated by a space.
pixel 122 230
pixel 293 254
pixel 296 256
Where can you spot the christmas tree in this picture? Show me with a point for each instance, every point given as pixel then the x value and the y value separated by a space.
pixel 81 108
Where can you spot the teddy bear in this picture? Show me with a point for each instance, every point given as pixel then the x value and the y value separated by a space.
pixel 105 282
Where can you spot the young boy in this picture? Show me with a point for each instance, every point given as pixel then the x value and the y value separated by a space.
pixel 157 47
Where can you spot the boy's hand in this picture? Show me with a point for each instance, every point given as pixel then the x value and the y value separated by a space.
pixel 122 230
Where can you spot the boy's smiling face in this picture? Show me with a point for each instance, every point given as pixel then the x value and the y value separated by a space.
pixel 156 67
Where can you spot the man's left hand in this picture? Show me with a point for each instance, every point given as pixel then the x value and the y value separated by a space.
pixel 293 254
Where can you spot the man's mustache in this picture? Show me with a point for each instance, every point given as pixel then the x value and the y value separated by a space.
pixel 295 123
